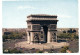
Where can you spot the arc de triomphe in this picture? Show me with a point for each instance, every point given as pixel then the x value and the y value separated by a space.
pixel 41 28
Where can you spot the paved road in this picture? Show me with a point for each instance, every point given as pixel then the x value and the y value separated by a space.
pixel 54 45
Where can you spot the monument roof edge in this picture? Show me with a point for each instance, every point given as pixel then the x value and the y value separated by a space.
pixel 39 15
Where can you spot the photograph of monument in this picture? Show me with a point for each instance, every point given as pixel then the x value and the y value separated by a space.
pixel 40 26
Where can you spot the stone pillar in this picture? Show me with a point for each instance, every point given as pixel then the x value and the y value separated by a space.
pixel 31 37
pixel 48 37
pixel 28 37
pixel 56 37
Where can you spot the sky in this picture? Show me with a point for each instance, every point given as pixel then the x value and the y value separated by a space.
pixel 14 13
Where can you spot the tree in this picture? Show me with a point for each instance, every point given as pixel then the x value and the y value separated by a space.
pixel 64 35
pixel 24 34
pixel 74 30
pixel 5 37
pixel 76 37
pixel 71 31
pixel 71 36
pixel 39 51
pixel 12 35
pixel 63 50
pixel 12 51
pixel 64 31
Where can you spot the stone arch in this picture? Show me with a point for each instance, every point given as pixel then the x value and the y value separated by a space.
pixel 41 23
pixel 45 30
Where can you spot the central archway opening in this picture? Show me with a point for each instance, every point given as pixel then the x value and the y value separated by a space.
pixel 45 30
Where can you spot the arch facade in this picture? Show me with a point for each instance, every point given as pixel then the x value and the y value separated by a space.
pixel 42 28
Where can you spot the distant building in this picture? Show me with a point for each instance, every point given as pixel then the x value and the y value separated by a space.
pixel 60 30
pixel 8 30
